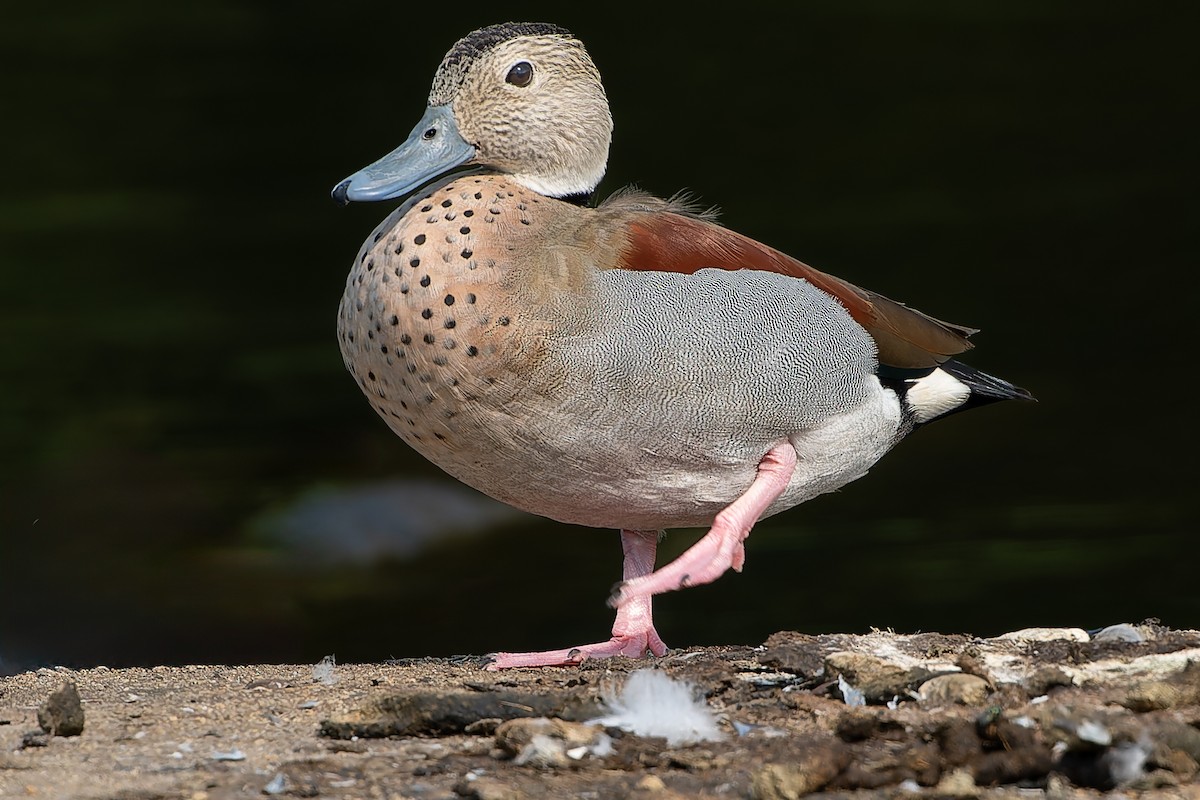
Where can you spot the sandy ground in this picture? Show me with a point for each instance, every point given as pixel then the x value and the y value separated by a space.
pixel 1044 713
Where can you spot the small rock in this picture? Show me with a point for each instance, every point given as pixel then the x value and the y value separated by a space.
pixel 1179 736
pixel 957 783
pixel 1046 678
pixel 487 789
pixel 1046 635
pixel 1181 689
pixel 651 783
pixel 1176 761
pixel 878 680
pixel 961 688
pixel 651 787
pixel 793 652
pixel 62 713
pixel 1124 632
pixel 813 768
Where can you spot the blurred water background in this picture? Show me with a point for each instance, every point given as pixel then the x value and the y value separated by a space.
pixel 188 475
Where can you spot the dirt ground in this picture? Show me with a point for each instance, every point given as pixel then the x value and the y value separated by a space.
pixel 1052 713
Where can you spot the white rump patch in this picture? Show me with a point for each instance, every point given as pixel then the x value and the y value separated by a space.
pixel 937 393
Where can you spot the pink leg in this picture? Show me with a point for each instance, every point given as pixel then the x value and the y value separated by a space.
pixel 722 547
pixel 633 632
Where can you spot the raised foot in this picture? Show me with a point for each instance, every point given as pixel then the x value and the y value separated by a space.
pixel 722 548
pixel 635 646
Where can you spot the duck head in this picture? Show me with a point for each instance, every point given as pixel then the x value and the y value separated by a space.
pixel 523 99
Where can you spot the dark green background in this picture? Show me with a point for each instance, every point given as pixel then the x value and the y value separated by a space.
pixel 170 266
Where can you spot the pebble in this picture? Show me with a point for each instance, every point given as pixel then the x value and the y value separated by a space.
pixel 487 789
pixel 956 783
pixel 1045 678
pixel 1046 635
pixel 1124 632
pixel 960 688
pixel 878 680
pixel 62 713
pixel 809 772
pixel 1181 689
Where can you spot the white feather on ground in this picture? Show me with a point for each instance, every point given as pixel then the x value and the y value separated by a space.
pixel 651 703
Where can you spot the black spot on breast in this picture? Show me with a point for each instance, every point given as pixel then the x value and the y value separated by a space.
pixel 468 213
pixel 439 361
pixel 371 265
pixel 478 196
pixel 405 339
pixel 447 203
pixel 419 239
pixel 399 248
pixel 428 338
pixel 371 375
pixel 464 230
pixel 449 300
pixel 467 253
pixel 504 320
pixel 427 208
pixel 395 320
pixel 425 282
pixel 450 324
pixel 383 348
pixel 427 313
pixel 472 350
pixel 415 262
pixel 471 298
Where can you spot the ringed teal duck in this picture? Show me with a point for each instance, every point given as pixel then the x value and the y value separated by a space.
pixel 632 365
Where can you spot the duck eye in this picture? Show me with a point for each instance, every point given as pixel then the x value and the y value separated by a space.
pixel 520 74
